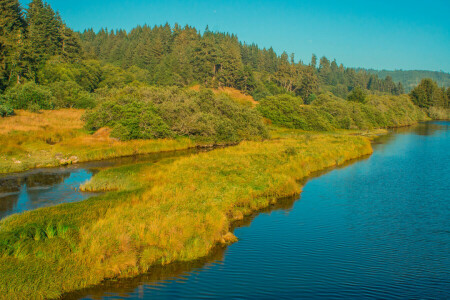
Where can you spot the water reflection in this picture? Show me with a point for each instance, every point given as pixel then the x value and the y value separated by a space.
pixel 37 188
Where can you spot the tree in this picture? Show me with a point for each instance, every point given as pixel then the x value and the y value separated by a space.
pixel 12 34
pixel 427 94
pixel 45 33
pixel 313 61
pixel 357 95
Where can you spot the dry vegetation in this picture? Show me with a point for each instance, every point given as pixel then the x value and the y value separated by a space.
pixel 233 93
pixel 56 137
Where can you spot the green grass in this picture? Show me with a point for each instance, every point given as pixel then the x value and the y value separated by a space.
pixel 158 214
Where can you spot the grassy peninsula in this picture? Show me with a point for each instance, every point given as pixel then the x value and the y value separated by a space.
pixel 164 213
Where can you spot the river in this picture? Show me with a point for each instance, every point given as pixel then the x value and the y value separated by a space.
pixel 377 228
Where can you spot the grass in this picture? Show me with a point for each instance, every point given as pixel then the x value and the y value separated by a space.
pixel 157 214
pixel 52 138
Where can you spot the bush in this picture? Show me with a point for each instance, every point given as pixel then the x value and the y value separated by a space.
pixel 175 112
pixel 129 119
pixel 23 96
pixel 282 110
pixel 68 94
pixel 6 110
pixel 87 74
pixel 329 112
pixel 357 95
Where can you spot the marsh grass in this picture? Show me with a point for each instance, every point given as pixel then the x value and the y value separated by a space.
pixel 158 214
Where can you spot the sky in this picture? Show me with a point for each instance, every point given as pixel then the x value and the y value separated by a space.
pixel 371 34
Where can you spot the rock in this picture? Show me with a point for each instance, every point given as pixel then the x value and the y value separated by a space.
pixel 64 162
pixel 228 239
pixel 73 159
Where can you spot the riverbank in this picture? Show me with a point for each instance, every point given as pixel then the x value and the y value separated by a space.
pixel 58 137
pixel 172 212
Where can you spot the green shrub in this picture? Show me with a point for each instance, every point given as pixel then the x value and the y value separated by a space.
pixel 6 110
pixel 23 96
pixel 328 112
pixel 129 118
pixel 283 110
pixel 174 112
pixel 357 95
pixel 87 74
pixel 68 94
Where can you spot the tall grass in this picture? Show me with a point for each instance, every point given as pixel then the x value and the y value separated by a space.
pixel 177 211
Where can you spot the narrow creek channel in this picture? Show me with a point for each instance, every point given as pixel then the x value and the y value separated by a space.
pixel 377 228
pixel 37 188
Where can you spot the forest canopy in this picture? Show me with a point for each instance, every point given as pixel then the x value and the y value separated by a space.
pixel 44 64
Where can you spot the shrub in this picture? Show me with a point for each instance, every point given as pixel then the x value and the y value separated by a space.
pixel 68 94
pixel 329 112
pixel 357 95
pixel 87 74
pixel 282 110
pixel 29 94
pixel 6 110
pixel 199 115
pixel 129 118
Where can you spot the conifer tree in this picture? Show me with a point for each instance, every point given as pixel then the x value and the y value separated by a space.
pixel 45 37
pixel 12 35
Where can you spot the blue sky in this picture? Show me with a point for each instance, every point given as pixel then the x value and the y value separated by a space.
pixel 372 34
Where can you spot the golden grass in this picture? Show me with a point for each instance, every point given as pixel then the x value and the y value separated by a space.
pixel 160 214
pixel 233 93
pixel 32 140
pixel 236 95
pixel 46 120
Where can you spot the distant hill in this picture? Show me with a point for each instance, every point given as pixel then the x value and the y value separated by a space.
pixel 410 79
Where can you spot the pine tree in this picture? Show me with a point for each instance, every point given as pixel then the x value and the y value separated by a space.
pixel 45 37
pixel 12 34
pixel 71 44
pixel 427 94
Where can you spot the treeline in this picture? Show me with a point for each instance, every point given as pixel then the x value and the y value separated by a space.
pixel 166 56
pixel 28 40
pixel 45 65
pixel 182 56
pixel 411 78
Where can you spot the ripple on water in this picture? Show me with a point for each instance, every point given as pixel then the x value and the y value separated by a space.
pixel 378 228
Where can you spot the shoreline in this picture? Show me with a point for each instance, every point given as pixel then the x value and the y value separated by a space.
pixel 206 195
pixel 170 270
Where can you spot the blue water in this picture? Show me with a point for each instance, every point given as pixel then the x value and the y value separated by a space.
pixel 378 228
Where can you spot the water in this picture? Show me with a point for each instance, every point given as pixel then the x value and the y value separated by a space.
pixel 37 188
pixel 378 228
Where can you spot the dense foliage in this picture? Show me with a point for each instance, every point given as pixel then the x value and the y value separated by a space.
pixel 329 112
pixel 143 112
pixel 182 56
pixel 45 65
